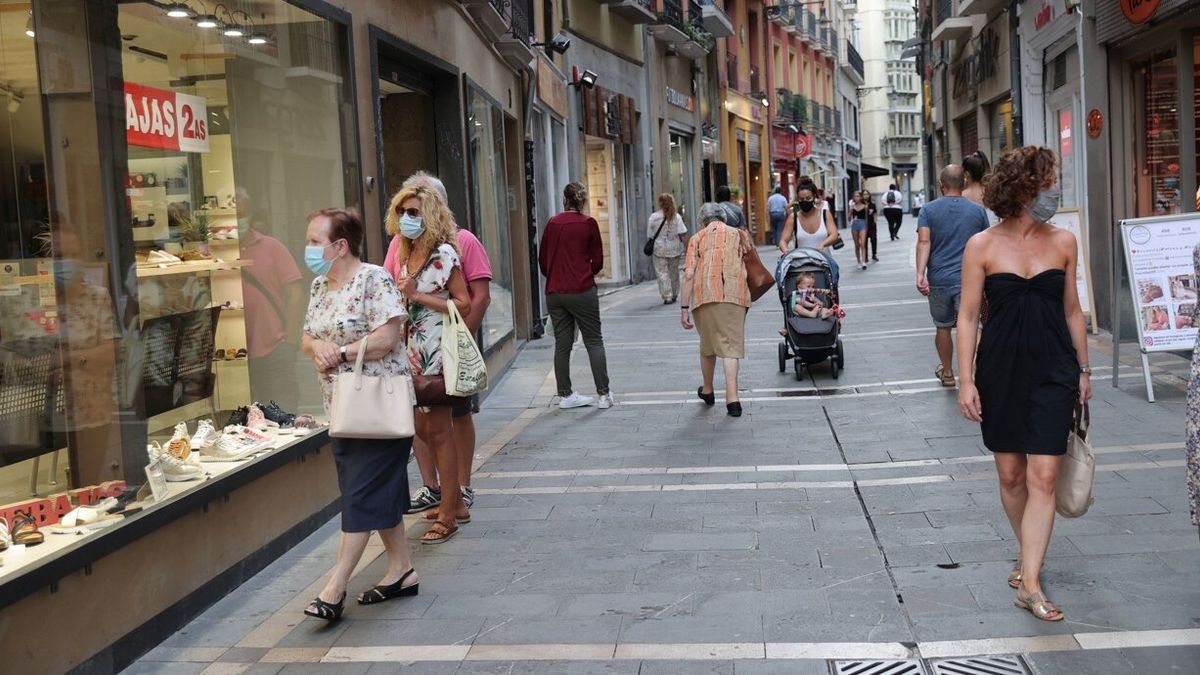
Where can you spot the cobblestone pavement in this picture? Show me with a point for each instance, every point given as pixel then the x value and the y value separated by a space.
pixel 848 519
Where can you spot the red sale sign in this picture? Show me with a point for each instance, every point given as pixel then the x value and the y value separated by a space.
pixel 157 118
pixel 803 145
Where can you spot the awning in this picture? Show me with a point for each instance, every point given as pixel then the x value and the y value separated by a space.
pixel 872 171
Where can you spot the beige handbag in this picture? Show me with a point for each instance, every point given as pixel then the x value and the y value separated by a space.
pixel 370 406
pixel 1073 487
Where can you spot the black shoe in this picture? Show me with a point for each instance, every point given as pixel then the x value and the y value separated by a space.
pixel 709 399
pixel 273 412
pixel 425 498
pixel 734 409
pixel 873 259
pixel 396 590
pixel 239 417
pixel 325 610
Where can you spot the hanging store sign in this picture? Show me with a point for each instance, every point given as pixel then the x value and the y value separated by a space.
pixel 1095 123
pixel 167 120
pixel 804 145
pixel 980 65
pixel 1139 11
pixel 681 100
pixel 607 114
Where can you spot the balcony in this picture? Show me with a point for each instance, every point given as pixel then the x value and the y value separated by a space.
pixel 980 7
pixel 699 43
pixel 852 64
pixel 948 24
pixel 514 45
pixel 634 11
pixel 669 26
pixel 715 20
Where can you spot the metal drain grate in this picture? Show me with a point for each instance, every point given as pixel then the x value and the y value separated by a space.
pixel 879 667
pixel 983 665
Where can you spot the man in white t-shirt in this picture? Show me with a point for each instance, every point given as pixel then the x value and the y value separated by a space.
pixel 893 210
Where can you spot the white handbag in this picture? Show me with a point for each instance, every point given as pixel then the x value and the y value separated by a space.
pixel 371 406
pixel 1073 487
pixel 462 362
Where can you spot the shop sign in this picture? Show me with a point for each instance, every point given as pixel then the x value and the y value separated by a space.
pixel 49 510
pixel 1064 132
pixel 1044 16
pixel 803 145
pixel 782 145
pixel 1158 258
pixel 1095 123
pixel 552 91
pixel 157 118
pixel 607 114
pixel 977 67
pixel 681 100
pixel 612 115
pixel 1139 11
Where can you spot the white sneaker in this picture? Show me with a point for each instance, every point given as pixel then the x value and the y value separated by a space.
pixel 206 435
pixel 606 402
pixel 175 469
pixel 575 400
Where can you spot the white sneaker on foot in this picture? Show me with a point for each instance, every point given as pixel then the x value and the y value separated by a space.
pixel 575 400
pixel 606 402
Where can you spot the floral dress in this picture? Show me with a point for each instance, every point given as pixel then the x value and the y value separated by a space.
pixel 425 324
pixel 344 315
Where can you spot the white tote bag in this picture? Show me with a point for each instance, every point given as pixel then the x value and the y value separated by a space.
pixel 371 406
pixel 1073 487
pixel 462 362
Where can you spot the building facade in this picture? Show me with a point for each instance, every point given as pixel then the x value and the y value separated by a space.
pixel 890 112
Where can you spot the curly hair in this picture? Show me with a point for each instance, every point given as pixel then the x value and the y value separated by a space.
pixel 1016 179
pixel 435 216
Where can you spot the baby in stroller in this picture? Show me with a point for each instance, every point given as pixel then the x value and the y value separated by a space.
pixel 806 300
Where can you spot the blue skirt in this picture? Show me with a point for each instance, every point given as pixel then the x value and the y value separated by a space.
pixel 373 479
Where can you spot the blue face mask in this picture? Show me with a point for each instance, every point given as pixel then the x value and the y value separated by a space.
pixel 67 272
pixel 314 258
pixel 410 227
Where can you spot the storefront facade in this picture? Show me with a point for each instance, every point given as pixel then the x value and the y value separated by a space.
pixel 164 166
pixel 746 157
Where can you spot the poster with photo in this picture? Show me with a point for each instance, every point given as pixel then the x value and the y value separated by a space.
pixel 1158 258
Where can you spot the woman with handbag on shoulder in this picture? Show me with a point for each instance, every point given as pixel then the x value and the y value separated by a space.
pixel 355 321
pixel 666 231
pixel 431 279
pixel 715 298
pixel 1029 372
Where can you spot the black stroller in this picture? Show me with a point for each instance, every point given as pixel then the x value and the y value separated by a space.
pixel 808 340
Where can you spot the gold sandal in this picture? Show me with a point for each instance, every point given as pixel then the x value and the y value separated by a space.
pixel 1016 576
pixel 1040 607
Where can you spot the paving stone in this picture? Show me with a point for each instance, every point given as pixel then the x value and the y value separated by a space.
pixel 701 542
pixel 546 668
pixel 686 668
pixel 693 629
pixel 366 633
pixel 556 630
pixel 909 556
pixel 781 667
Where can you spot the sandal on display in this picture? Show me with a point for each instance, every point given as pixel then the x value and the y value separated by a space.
pixel 324 610
pixel 1040 607
pixel 438 534
pixel 82 515
pixel 5 538
pixel 1015 576
pixel 396 590
pixel 25 530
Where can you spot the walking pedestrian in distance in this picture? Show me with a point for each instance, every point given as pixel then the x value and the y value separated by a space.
pixel 716 296
pixel 859 210
pixel 668 229
pixel 918 202
pixel 872 236
pixel 777 208
pixel 431 278
pixel 976 168
pixel 349 301
pixel 810 225
pixel 736 214
pixel 893 210
pixel 1030 368
pixel 831 203
pixel 943 229
pixel 477 271
pixel 571 256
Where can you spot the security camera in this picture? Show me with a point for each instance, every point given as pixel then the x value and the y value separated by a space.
pixel 559 44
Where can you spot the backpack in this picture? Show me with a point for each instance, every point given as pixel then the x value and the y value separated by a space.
pixel 891 197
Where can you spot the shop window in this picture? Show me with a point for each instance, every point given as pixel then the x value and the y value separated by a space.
pixel 489 203
pixel 1156 124
pixel 231 138
pixel 1002 128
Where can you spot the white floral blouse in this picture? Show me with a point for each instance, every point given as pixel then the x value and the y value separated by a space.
pixel 425 325
pixel 346 314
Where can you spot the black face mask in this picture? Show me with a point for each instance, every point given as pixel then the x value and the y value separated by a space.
pixel 806 206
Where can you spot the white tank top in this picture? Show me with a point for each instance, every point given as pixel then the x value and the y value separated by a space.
pixel 806 240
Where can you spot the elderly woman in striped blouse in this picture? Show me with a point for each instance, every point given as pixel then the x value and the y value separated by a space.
pixel 715 296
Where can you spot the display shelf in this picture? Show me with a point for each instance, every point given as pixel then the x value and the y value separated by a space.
pixel 218 213
pixel 193 267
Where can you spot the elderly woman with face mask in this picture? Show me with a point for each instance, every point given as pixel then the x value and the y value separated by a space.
pixel 715 298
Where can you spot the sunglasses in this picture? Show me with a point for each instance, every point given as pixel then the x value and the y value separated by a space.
pixel 411 213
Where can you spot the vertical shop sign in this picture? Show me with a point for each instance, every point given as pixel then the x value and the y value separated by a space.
pixel 157 118
pixel 1064 132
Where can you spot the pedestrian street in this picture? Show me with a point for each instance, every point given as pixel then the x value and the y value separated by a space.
pixel 837 521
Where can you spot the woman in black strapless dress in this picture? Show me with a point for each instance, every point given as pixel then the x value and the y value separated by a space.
pixel 1031 366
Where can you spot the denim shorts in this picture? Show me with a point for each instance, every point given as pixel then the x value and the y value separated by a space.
pixel 943 305
pixel 858 225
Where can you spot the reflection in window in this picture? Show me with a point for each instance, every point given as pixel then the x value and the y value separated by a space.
pixel 1157 127
pixel 489 201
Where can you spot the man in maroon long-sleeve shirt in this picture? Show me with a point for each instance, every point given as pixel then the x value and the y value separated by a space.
pixel 571 255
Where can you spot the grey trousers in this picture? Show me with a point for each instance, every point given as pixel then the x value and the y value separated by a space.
pixel 667 271
pixel 582 310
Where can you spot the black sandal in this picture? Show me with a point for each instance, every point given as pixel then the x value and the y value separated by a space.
pixel 709 399
pixel 396 590
pixel 327 611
